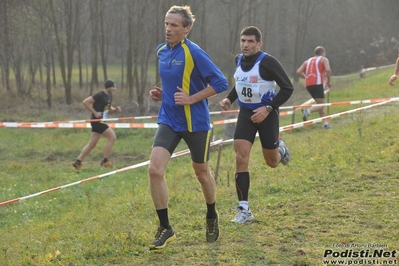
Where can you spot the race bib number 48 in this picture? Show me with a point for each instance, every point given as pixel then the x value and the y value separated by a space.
pixel 248 92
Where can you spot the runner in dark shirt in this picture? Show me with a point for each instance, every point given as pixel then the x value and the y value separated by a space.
pixel 100 106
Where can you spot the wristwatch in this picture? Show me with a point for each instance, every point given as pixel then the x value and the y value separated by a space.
pixel 269 108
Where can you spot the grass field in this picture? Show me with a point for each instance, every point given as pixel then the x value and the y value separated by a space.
pixel 339 193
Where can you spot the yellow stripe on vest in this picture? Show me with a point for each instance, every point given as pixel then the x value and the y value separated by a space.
pixel 188 69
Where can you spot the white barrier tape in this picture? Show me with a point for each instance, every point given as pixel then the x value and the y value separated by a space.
pixel 76 125
pixel 325 118
pixel 112 125
pixel 177 154
pixel 85 123
pixel 96 120
pixel 284 128
pixel 339 103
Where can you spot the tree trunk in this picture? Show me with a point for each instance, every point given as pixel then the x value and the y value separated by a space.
pixel 53 67
pixel 60 48
pixel 80 67
pixel 48 81
pixel 129 59
pixel 305 10
pixel 5 39
pixel 94 45
pixel 103 43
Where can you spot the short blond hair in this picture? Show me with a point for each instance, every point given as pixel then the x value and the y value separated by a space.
pixel 185 12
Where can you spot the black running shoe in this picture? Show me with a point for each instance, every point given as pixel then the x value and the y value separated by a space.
pixel 162 237
pixel 77 165
pixel 106 164
pixel 212 229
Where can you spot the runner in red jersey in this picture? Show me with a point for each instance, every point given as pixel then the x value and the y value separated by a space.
pixel 317 72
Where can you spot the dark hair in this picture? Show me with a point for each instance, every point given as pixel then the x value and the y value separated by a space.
pixel 109 84
pixel 185 12
pixel 319 50
pixel 252 30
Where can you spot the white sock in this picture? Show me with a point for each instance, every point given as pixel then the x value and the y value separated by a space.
pixel 244 204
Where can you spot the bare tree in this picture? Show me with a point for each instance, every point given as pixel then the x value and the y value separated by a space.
pixel 41 45
pixel 5 43
pixel 305 10
pixel 107 26
pixel 65 38
pixel 19 51
pixel 234 16
pixel 126 32
pixel 142 53
pixel 94 13
pixel 47 45
pixel 129 59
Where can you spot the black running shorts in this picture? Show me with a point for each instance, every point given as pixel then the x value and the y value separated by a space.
pixel 197 142
pixel 98 127
pixel 316 91
pixel 268 129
